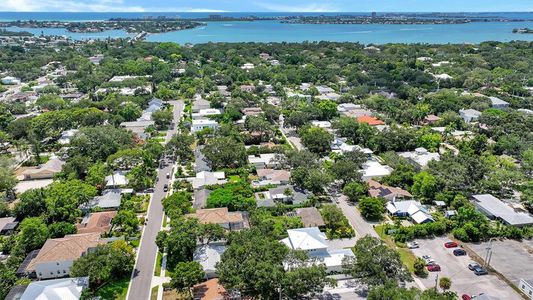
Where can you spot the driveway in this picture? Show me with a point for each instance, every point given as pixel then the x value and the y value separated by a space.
pixel 464 281
pixel 141 278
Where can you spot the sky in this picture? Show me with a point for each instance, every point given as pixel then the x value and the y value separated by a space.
pixel 266 5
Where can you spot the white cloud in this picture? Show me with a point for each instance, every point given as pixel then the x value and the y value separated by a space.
pixel 311 7
pixel 68 5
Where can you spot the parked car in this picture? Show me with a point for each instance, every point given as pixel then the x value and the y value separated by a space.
pixel 459 252
pixel 450 244
pixel 473 265
pixel 480 271
pixel 430 262
pixel 165 188
pixel 412 245
pixel 433 268
pixel 168 175
pixel 426 257
pixel 466 297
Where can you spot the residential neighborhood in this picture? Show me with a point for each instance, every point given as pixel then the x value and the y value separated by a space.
pixel 332 170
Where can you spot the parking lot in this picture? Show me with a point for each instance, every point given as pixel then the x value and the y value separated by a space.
pixel 464 281
pixel 509 258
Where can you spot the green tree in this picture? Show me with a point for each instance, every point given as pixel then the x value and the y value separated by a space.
pixel 316 139
pixel 107 262
pixel 327 109
pixel 185 275
pixel 372 208
pixel 180 241
pixel 181 144
pixel 130 111
pixel 8 181
pixel 64 197
pixel 355 190
pixel 162 118
pixel 419 267
pixel 375 263
pixel 96 174
pixel 60 229
pixel 31 204
pixel 347 167
pixel 225 152
pixel 445 283
pixel 424 185
pixel 126 222
pixel 32 234
pixel 7 279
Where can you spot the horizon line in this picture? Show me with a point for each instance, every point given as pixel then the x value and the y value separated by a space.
pixel 293 12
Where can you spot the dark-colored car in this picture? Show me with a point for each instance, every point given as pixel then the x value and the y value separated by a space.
pixel 165 188
pixel 450 244
pixel 480 271
pixel 433 268
pixel 459 252
pixel 473 265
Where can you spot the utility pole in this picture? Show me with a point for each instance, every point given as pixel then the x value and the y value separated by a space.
pixel 436 282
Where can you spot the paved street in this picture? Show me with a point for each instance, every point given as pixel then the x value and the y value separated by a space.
pixel 360 225
pixel 140 285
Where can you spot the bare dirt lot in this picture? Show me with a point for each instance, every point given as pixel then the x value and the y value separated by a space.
pixel 464 281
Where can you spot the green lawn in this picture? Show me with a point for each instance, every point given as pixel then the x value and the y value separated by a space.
pixel 116 289
pixel 234 178
pixel 153 295
pixel 407 257
pixel 158 261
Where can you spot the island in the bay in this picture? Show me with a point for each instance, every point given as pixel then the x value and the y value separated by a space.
pixel 522 30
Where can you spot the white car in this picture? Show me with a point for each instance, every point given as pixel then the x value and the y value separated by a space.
pixel 412 245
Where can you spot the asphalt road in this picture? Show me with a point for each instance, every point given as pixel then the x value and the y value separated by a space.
pixel 141 278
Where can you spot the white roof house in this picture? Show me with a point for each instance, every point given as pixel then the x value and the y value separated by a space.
pixel 66 136
pixel 311 240
pixel 200 124
pixel 205 113
pixel 305 239
pixel 56 289
pixel 10 80
pixel 208 256
pixel 116 179
pixel 469 115
pixel 321 124
pixel 207 178
pixel 373 169
pixel 494 208
pixel 247 66
pixel 420 157
pixel 409 208
pixel 265 160
pixel 498 103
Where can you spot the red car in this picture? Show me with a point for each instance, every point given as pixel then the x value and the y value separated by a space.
pixel 433 268
pixel 450 245
pixel 466 297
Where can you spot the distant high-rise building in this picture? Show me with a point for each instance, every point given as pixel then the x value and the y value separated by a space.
pixel 215 17
pixel 374 14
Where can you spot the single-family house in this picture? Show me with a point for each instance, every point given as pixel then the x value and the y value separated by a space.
pixel 469 115
pixel 272 176
pixel 312 241
pixel 247 88
pixel 110 200
pixel 373 169
pixel 409 208
pixel 421 157
pixel 285 194
pixel 99 222
pixel 200 103
pixel 44 171
pixel 206 178
pixel 264 56
pixel 252 111
pixel 265 160
pixel 495 209
pixel 208 256
pixel 310 217
pixel 431 119
pixel 376 189
pixel 66 136
pixel 228 220
pixel 138 127
pixel 57 255
pixel 344 107
pixel 10 80
pixel 7 225
pixel 248 66
pixel 117 179
pixel 201 124
pixel 372 121
pixel 498 103
pixel 205 113
pixel 55 289
pixel 321 124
